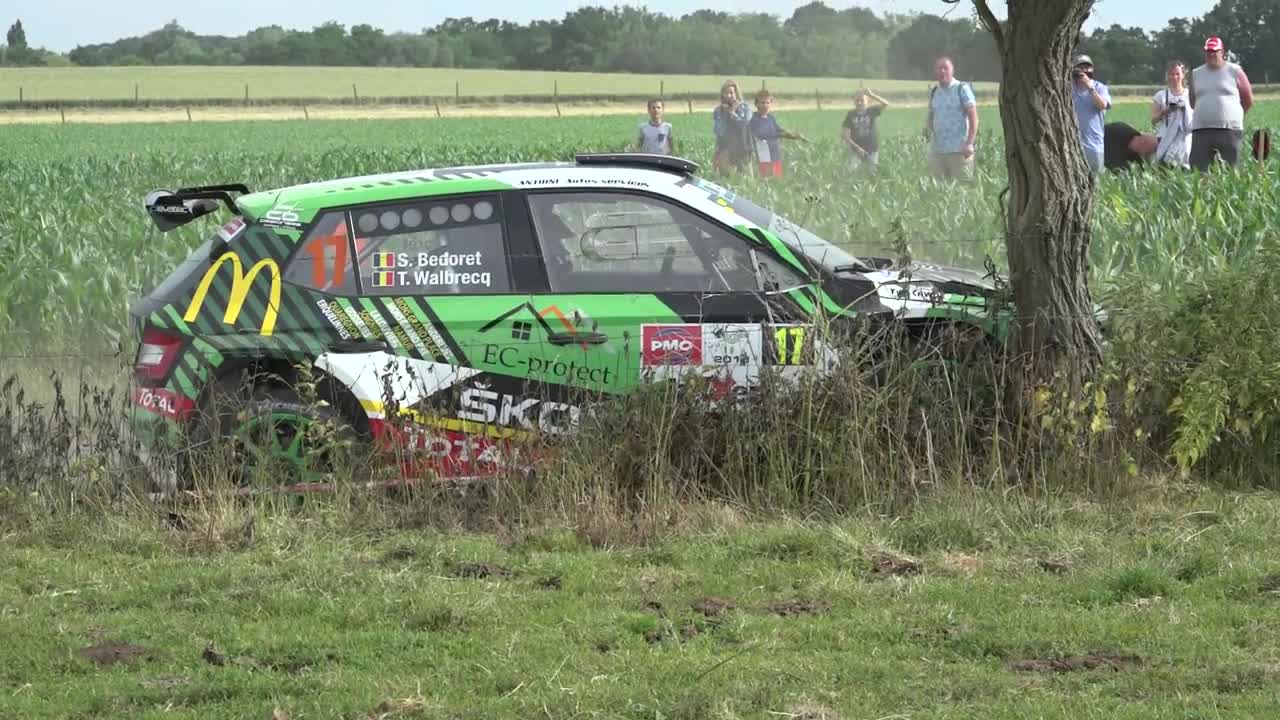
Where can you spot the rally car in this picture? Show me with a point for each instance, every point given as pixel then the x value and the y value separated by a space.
pixel 482 304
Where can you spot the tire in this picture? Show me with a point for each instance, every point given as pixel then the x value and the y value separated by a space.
pixel 267 435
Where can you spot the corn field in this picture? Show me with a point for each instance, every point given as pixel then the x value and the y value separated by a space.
pixel 76 245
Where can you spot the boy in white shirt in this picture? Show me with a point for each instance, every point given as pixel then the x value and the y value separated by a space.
pixel 655 135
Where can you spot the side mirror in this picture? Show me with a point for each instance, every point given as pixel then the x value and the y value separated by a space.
pixel 169 211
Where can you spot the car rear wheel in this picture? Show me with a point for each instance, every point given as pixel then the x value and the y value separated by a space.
pixel 268 436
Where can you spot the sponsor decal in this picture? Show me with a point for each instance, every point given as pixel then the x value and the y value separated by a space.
pixel 733 345
pixel 160 401
pixel 671 345
pixel 283 216
pixel 341 323
pixel 547 369
pixel 240 284
pixel 421 269
pixel 481 404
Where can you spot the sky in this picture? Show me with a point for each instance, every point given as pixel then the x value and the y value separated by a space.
pixel 60 25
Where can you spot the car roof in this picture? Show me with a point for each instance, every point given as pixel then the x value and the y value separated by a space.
pixel 609 170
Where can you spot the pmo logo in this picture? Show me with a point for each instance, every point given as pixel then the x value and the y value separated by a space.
pixel 672 345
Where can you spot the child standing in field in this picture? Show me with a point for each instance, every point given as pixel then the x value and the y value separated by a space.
pixel 766 134
pixel 859 129
pixel 655 135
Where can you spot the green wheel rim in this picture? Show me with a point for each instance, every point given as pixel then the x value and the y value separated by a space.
pixel 286 435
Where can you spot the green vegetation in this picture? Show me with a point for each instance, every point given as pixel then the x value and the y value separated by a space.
pixel 1159 604
pixel 228 83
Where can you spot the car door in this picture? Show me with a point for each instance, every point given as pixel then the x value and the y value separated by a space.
pixel 665 290
pixel 428 274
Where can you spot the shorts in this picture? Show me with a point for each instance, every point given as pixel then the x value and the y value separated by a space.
pixel 772 168
pixel 951 165
pixel 871 159
pixel 1222 141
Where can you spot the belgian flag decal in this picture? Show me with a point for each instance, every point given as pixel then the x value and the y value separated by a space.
pixel 384 260
pixel 384 279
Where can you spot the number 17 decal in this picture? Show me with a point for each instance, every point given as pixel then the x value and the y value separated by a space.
pixel 790 346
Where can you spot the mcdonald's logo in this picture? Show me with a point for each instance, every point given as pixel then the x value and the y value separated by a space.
pixel 240 285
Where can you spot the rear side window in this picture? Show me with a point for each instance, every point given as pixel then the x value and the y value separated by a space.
pixel 447 246
pixel 324 261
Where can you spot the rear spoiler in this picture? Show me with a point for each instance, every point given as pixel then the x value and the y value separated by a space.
pixel 170 209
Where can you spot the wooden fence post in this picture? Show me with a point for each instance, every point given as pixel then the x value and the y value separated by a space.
pixel 355 93
pixel 689 98
pixel 19 93
pixel 246 93
pixel 457 92
pixel 135 93
pixel 63 112
pixel 818 94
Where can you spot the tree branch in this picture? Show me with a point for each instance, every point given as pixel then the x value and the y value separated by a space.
pixel 991 23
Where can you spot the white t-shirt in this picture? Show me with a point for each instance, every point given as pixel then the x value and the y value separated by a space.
pixel 1174 130
pixel 655 138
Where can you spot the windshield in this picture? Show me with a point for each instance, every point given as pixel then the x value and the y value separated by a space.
pixel 820 251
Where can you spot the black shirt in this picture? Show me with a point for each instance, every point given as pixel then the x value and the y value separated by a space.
pixel 863 125
pixel 1116 154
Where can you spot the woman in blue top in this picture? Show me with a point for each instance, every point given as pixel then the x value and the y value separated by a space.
pixel 729 121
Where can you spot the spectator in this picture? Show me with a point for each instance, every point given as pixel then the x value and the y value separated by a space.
pixel 1091 100
pixel 729 121
pixel 951 124
pixel 766 133
pixel 1124 146
pixel 655 135
pixel 1220 97
pixel 859 129
pixel 1171 114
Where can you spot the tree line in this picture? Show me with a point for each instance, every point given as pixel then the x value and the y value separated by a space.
pixel 816 40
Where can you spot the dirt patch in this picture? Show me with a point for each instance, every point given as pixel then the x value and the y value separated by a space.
pixel 655 607
pixel 800 606
pixel 402 553
pixel 1075 663
pixel 481 571
pixel 290 665
pixel 1270 585
pixel 713 607
pixel 888 564
pixel 812 711
pixel 958 563
pixel 399 708
pixel 942 633
pixel 1056 566
pixel 108 654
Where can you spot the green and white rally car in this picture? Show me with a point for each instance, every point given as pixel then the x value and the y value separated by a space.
pixel 481 304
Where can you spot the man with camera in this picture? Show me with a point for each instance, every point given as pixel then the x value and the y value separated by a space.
pixel 1220 97
pixel 1091 100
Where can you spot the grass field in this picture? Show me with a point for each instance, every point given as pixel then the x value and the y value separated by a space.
pixel 1164 606
pixel 118 83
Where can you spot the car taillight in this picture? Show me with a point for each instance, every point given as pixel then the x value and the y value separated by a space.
pixel 156 354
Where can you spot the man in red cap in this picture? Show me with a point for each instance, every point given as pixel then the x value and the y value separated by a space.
pixel 1220 96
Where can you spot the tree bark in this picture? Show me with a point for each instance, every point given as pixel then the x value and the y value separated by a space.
pixel 1049 216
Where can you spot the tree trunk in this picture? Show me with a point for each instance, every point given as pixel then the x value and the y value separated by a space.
pixel 1050 203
